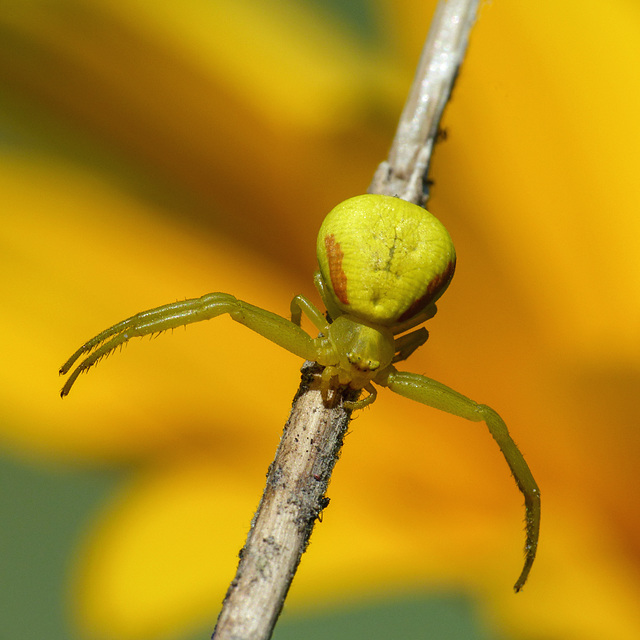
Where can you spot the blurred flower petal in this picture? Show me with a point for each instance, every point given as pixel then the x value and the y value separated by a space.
pixel 165 552
pixel 250 123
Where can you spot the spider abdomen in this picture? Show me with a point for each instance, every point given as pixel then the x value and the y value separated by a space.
pixel 383 258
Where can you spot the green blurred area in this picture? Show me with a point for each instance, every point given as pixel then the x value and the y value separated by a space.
pixel 414 617
pixel 44 512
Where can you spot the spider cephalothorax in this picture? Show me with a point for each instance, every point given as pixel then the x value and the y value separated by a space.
pixel 383 265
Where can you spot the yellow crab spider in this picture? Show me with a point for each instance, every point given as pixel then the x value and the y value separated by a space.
pixel 384 262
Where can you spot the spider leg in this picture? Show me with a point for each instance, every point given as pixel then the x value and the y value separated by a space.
pixel 423 316
pixel 139 319
pixel 302 304
pixel 407 344
pixel 273 327
pixel 326 295
pixel 439 396
pixel 363 402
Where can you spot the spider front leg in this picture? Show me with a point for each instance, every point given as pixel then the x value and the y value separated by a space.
pixel 170 316
pixel 439 396
pixel 302 304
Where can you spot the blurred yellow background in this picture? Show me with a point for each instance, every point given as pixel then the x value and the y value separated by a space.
pixel 152 151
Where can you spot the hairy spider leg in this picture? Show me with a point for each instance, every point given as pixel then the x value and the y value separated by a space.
pixel 148 316
pixel 439 396
pixel 269 325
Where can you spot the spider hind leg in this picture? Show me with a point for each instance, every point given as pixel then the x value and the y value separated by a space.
pixel 439 396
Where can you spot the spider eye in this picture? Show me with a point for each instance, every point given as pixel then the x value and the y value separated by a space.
pixel 384 259
pixel 362 363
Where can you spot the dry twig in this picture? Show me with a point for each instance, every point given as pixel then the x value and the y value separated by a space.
pixel 298 478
